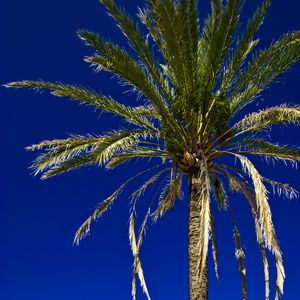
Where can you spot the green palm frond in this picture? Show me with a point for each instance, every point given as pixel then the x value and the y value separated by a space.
pixel 256 121
pixel 139 43
pixel 169 23
pixel 265 67
pixel 64 155
pixel 218 35
pixel 264 148
pixel 87 96
pixel 244 46
pixel 116 60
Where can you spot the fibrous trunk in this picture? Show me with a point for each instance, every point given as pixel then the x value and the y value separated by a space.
pixel 198 287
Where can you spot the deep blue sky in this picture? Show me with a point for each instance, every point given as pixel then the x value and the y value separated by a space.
pixel 38 218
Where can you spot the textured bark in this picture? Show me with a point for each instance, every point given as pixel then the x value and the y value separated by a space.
pixel 198 289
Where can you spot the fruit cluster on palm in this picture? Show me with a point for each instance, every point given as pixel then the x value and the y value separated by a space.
pixel 191 85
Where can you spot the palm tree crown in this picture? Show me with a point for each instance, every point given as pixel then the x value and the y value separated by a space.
pixel 192 82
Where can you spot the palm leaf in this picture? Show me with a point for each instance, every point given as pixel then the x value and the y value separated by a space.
pixel 170 194
pixel 84 229
pixel 214 246
pixel 256 121
pixel 244 46
pixel 87 96
pixel 78 151
pixel 240 256
pixel 265 218
pixel 139 44
pixel 264 68
pixel 137 266
pixel 263 148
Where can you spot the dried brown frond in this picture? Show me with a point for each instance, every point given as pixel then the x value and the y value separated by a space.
pixel 240 256
pixel 214 246
pixel 282 189
pixel 171 193
pixel 137 264
pixel 260 241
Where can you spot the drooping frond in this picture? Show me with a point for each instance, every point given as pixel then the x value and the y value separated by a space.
pixel 89 97
pixel 240 256
pixel 84 229
pixel 264 211
pixel 137 263
pixel 282 188
pixel 219 192
pixel 243 187
pixel 214 246
pixel 260 241
pixel 265 218
pixel 139 192
pixel 170 194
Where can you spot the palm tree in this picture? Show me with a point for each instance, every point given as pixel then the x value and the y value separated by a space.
pixel 192 83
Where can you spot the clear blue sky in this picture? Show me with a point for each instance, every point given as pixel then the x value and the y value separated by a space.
pixel 38 219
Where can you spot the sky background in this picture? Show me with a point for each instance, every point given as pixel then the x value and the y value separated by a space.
pixel 38 219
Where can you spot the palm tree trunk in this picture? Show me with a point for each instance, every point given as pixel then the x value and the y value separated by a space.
pixel 198 289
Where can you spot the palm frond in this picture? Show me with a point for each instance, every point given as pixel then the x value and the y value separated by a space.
pixel 84 229
pixel 218 35
pixel 139 43
pixel 266 149
pixel 167 23
pixel 282 188
pixel 214 246
pixel 243 187
pixel 219 192
pixel 260 241
pixel 256 121
pixel 264 211
pixel 240 256
pixel 87 96
pixel 264 68
pixel 78 151
pixel 170 194
pixel 116 60
pixel 137 263
pixel 139 192
pixel 244 46
pixel 265 218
